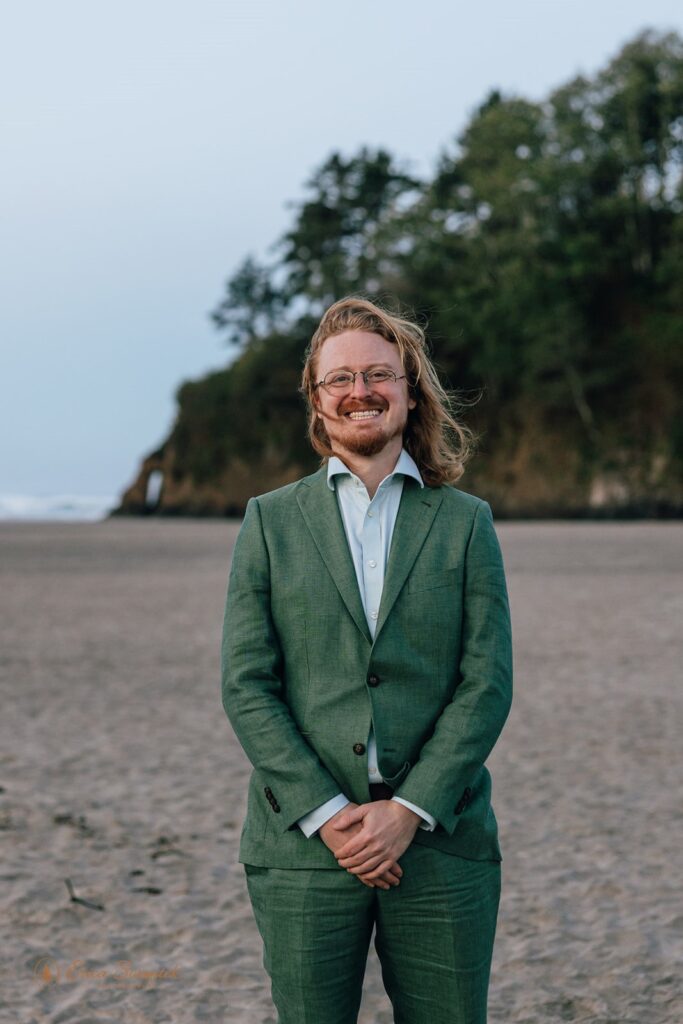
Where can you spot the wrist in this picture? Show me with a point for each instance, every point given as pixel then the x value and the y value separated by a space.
pixel 335 817
pixel 406 813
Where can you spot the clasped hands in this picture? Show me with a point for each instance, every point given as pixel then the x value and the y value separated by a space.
pixel 368 839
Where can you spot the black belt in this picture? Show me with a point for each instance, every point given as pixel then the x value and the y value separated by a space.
pixel 380 791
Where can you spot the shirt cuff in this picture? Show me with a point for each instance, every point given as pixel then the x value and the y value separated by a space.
pixel 428 823
pixel 311 822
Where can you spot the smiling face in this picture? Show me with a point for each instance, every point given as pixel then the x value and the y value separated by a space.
pixel 363 420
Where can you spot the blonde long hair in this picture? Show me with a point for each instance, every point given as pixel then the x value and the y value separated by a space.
pixel 439 444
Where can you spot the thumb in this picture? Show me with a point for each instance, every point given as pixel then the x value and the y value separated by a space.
pixel 349 817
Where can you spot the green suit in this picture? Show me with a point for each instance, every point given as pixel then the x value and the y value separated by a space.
pixel 302 681
pixel 301 678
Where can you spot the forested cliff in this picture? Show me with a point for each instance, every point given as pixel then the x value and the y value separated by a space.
pixel 545 257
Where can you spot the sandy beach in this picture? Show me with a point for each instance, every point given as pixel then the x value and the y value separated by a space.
pixel 120 773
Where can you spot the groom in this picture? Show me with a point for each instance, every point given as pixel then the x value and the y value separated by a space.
pixel 367 672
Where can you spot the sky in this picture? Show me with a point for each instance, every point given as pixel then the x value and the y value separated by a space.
pixel 147 147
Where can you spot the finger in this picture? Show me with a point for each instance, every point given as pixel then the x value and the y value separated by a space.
pixel 349 818
pixel 393 875
pixel 342 826
pixel 360 857
pixel 376 883
pixel 354 846
pixel 378 872
pixel 367 865
pixel 390 880
pixel 352 852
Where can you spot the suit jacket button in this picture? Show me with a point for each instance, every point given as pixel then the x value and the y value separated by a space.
pixel 359 748
pixel 373 680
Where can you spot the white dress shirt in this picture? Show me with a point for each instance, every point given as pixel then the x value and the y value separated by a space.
pixel 369 526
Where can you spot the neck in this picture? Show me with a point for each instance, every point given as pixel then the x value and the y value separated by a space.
pixel 372 469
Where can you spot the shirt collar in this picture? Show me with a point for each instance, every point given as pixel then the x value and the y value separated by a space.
pixel 406 466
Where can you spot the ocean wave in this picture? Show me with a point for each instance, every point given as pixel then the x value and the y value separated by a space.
pixel 55 507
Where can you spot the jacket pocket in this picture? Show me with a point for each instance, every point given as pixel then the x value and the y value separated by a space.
pixel 395 780
pixel 419 581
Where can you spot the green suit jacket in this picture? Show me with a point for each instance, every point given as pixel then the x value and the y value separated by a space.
pixel 302 679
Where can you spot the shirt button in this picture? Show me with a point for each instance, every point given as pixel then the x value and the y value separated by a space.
pixel 371 514
pixel 372 563
pixel 373 615
pixel 359 748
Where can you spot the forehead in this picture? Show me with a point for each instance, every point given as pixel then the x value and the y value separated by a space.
pixel 356 350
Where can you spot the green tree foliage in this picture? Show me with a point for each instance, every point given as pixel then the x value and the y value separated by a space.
pixel 252 306
pixel 544 253
pixel 333 247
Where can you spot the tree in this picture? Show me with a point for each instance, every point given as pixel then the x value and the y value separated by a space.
pixel 333 247
pixel 252 306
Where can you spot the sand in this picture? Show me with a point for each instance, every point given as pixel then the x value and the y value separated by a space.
pixel 121 774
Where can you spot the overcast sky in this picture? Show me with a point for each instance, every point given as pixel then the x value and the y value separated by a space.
pixel 148 146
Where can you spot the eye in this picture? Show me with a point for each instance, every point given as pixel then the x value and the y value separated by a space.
pixel 379 376
pixel 338 379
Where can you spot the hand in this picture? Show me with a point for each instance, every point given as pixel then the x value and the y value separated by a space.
pixel 336 837
pixel 387 829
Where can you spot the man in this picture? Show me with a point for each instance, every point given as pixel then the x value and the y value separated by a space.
pixel 367 672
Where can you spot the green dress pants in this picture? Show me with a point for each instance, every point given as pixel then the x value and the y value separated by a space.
pixel 434 936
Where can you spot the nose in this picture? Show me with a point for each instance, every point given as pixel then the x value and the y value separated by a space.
pixel 360 388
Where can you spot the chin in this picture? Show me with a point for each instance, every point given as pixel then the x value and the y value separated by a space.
pixel 366 446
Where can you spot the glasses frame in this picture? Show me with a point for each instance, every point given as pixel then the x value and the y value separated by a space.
pixel 358 373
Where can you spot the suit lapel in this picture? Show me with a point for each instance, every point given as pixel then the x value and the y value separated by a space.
pixel 414 521
pixel 320 510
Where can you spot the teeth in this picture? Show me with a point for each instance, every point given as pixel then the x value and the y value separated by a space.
pixel 364 414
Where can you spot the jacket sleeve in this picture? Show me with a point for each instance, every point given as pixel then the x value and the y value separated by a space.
pixel 251 685
pixel 443 777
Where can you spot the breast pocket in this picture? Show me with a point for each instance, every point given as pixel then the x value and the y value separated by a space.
pixel 420 581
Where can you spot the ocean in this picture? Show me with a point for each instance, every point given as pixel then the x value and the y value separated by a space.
pixel 56 507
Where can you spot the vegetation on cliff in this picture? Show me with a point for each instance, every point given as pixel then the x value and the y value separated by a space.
pixel 544 255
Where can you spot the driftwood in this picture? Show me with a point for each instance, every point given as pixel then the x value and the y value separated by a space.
pixel 78 899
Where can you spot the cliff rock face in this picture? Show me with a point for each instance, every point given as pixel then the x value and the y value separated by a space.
pixel 532 471
pixel 537 470
pixel 226 495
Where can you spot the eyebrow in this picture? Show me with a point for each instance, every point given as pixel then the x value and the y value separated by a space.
pixel 372 366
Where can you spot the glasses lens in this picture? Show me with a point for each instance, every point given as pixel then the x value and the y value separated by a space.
pixel 380 376
pixel 339 381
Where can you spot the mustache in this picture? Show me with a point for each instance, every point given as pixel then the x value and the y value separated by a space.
pixel 352 406
pixel 356 406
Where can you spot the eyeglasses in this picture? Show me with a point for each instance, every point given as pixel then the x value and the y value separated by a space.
pixel 343 380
